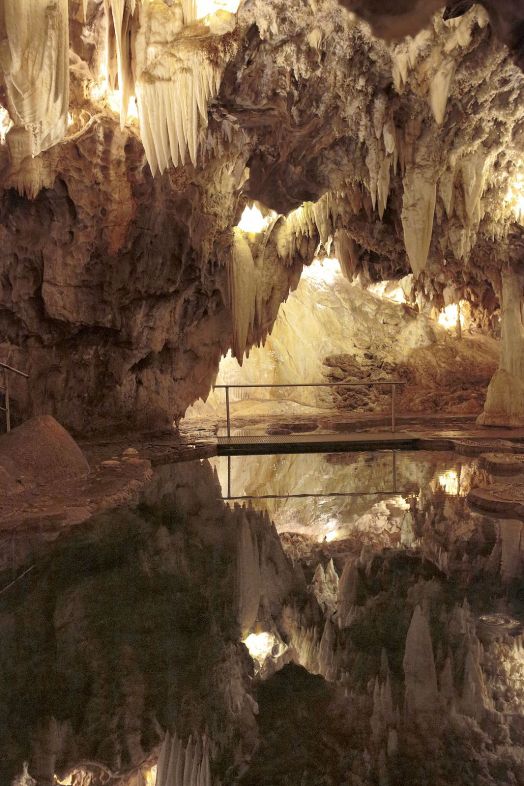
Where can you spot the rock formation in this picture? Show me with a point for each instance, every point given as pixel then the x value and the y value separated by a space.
pixel 120 298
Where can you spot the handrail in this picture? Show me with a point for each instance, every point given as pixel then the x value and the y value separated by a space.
pixel 393 383
pixel 14 370
pixel 317 384
pixel 5 389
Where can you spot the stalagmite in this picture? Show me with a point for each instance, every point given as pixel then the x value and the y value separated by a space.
pixel 505 398
pixel 421 692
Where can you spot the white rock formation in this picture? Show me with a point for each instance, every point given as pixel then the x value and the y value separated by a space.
pixel 34 57
pixel 418 207
pixel 505 399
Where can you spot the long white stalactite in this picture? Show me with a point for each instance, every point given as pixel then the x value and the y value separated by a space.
pixel 35 62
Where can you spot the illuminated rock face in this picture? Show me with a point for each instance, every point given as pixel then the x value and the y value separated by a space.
pixel 129 288
pixel 505 400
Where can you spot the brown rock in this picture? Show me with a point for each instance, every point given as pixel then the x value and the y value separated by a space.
pixel 39 451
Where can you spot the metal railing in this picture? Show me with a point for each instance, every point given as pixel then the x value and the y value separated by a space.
pixel 5 390
pixel 392 383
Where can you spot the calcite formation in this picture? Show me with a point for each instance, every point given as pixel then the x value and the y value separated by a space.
pixel 137 130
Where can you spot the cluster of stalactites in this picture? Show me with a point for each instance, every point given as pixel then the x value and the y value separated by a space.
pixel 35 62
pixel 258 282
pixel 182 764
pixel 170 75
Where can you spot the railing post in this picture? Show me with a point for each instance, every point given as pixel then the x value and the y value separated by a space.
pixel 7 405
pixel 394 455
pixel 229 477
pixel 392 407
pixel 228 419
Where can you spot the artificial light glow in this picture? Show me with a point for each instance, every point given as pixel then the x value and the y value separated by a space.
pixel 100 92
pixel 253 221
pixel 322 271
pixel 388 291
pixel 332 532
pixel 5 123
pixel 515 197
pixel 260 645
pixel 206 7
pixel 150 776
pixel 449 482
pixel 449 316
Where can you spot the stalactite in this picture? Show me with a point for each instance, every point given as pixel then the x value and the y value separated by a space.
pixel 473 170
pixel 242 293
pixel 119 14
pixel 439 89
pixel 35 61
pixel 418 207
pixel 346 253
pixel 298 224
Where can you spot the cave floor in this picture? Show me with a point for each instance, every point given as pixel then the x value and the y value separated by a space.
pixel 117 480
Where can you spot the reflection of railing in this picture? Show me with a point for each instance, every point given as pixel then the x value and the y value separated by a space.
pixel 392 383
pixel 325 495
pixel 5 389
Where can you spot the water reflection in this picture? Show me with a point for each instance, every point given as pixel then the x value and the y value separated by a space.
pixel 370 638
pixel 330 496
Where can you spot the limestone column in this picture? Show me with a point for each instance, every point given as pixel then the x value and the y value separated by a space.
pixel 505 399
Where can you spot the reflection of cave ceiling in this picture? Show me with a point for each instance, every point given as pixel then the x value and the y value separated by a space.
pixel 397 155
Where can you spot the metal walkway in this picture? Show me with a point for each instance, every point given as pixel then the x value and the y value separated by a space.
pixel 318 443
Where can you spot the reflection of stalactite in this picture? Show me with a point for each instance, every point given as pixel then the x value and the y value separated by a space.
pixel 183 765
pixel 419 668
pixel 248 574
pixel 256 288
